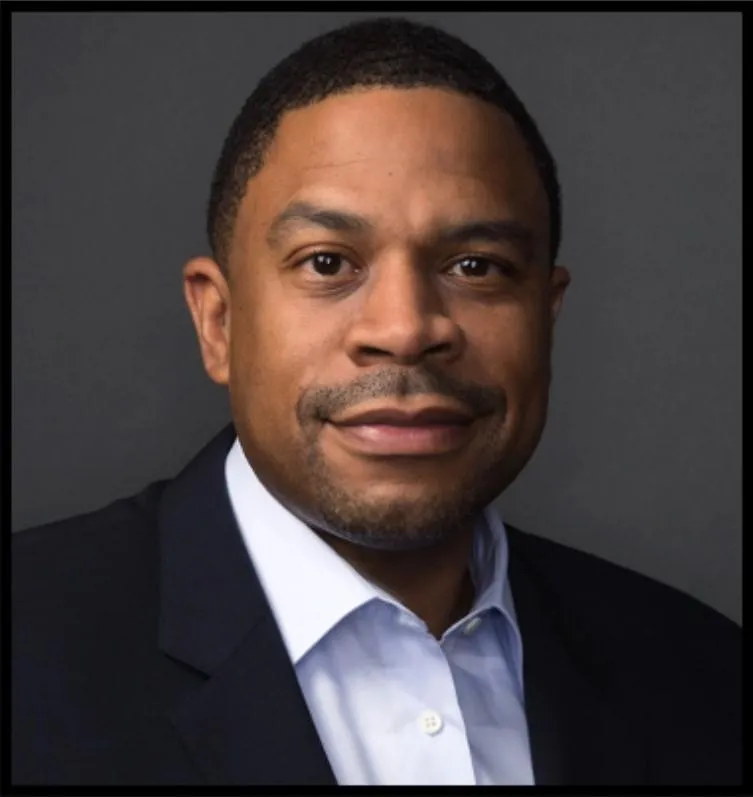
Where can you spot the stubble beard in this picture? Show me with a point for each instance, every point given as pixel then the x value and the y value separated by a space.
pixel 400 524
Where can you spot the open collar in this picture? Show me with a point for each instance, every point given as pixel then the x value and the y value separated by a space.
pixel 310 588
pixel 243 717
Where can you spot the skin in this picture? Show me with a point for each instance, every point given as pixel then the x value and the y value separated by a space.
pixel 395 314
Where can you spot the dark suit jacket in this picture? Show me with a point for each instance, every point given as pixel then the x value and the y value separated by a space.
pixel 144 652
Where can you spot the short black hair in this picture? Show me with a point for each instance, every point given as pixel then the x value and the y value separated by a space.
pixel 381 52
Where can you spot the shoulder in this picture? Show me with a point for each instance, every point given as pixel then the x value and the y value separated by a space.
pixel 673 664
pixel 59 563
pixel 124 514
pixel 616 605
pixel 84 606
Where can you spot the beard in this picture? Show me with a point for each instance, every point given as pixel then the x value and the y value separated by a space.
pixel 387 517
pixel 390 521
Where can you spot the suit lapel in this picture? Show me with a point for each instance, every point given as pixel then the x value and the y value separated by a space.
pixel 249 724
pixel 244 720
pixel 579 732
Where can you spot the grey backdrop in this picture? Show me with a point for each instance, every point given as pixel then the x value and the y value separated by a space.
pixel 117 121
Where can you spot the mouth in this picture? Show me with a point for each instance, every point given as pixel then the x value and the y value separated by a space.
pixel 393 431
pixel 415 440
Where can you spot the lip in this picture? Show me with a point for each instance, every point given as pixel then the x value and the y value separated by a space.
pixel 381 439
pixel 393 415
pixel 394 431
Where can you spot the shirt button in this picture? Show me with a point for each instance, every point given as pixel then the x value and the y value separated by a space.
pixel 472 625
pixel 430 722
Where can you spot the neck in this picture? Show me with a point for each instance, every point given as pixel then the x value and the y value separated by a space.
pixel 434 583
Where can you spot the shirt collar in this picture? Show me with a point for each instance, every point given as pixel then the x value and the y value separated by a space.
pixel 309 587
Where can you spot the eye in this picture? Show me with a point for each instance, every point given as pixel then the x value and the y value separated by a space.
pixel 475 267
pixel 325 264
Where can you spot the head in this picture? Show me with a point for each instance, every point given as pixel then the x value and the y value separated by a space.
pixel 384 221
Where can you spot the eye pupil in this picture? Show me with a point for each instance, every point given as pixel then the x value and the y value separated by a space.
pixel 326 263
pixel 476 266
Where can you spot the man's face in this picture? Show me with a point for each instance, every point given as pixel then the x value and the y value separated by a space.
pixel 390 255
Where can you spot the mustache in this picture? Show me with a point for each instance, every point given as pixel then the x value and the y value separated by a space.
pixel 322 402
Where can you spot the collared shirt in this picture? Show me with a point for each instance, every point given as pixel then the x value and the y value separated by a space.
pixel 392 704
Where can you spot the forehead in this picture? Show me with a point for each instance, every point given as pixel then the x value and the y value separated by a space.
pixel 407 158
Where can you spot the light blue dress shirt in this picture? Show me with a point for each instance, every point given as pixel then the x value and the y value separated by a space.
pixel 392 705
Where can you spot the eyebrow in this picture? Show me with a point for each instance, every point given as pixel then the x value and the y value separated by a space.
pixel 304 214
pixel 493 231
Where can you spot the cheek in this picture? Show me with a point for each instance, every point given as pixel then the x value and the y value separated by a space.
pixel 513 342
pixel 529 382
pixel 275 351
pixel 512 351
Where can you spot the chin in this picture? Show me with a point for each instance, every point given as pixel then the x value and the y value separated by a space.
pixel 396 531
pixel 396 516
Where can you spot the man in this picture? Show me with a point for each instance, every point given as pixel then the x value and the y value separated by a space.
pixel 325 594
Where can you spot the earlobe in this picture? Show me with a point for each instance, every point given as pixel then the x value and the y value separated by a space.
pixel 206 293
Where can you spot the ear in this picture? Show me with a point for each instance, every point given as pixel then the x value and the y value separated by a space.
pixel 559 279
pixel 208 298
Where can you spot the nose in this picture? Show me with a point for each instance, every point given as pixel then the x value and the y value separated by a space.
pixel 402 318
